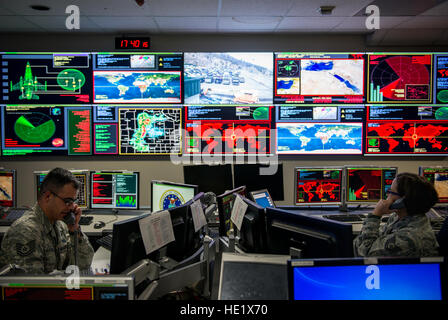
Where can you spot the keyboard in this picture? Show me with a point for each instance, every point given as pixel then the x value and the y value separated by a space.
pixel 11 215
pixel 105 242
pixel 85 220
pixel 345 217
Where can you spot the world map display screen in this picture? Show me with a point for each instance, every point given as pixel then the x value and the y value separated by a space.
pixel 44 130
pixel 318 186
pixel 319 78
pixel 46 78
pixel 438 176
pixel 137 78
pixel 368 184
pixel 399 78
pixel 319 129
pixel 228 129
pixel 407 130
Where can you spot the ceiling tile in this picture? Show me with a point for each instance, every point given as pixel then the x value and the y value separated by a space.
pixel 308 23
pixel 249 23
pixel 191 23
pixel 57 23
pixel 359 23
pixel 343 8
pixel 195 8
pixel 14 23
pixel 124 23
pixel 232 8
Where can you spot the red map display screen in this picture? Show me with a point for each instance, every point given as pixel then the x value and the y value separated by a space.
pixel 407 130
pixel 318 186
pixel 395 78
pixel 228 130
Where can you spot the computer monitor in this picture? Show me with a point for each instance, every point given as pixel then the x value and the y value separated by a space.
pixel 46 130
pixel 315 237
pixel 253 228
pixel 440 78
pixel 438 176
pixel 149 78
pixel 166 194
pixel 368 184
pixel 114 190
pixel 399 77
pixel 367 279
pixel 214 178
pixel 262 198
pixel 229 77
pixel 249 175
pixel 110 287
pixel 318 185
pixel 8 188
pixel 81 175
pixel 225 205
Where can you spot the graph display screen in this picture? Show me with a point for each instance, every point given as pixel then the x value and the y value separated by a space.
pixel 228 78
pixel 399 78
pixel 44 130
pixel 150 131
pixel 228 129
pixel 318 186
pixel 441 78
pixel 438 176
pixel 114 190
pixel 137 78
pixel 319 78
pixel 368 184
pixel 407 130
pixel 81 176
pixel 319 129
pixel 7 188
pixel 46 78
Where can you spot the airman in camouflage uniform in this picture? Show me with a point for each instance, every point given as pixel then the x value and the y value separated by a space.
pixel 408 231
pixel 39 242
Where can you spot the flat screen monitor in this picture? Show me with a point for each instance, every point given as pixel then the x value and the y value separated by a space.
pixel 319 129
pixel 46 130
pixel 399 78
pixel 315 237
pixel 225 205
pixel 228 78
pixel 407 130
pixel 368 184
pixel 114 190
pixel 249 175
pixel 209 178
pixel 367 279
pixel 441 78
pixel 166 194
pixel 253 228
pixel 46 78
pixel 229 129
pixel 149 78
pixel 318 186
pixel 110 287
pixel 319 77
pixel 438 176
pixel 81 175
pixel 262 198
pixel 8 188
pixel 149 130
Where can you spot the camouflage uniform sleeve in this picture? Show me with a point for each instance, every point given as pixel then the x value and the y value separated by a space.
pixel 22 246
pixel 85 252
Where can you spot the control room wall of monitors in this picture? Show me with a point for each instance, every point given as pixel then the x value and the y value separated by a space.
pixel 158 104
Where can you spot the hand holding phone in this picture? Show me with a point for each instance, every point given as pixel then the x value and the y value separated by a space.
pixel 69 218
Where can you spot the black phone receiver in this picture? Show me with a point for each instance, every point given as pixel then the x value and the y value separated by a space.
pixel 397 204
pixel 69 218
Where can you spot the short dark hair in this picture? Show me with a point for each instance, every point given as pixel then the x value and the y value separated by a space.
pixel 56 179
pixel 419 194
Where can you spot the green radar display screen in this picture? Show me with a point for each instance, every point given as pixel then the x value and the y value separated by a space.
pixel 46 78
pixel 44 130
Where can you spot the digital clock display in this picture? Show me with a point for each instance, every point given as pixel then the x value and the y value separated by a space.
pixel 132 43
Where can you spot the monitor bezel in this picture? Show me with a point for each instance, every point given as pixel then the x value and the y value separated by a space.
pixel 342 192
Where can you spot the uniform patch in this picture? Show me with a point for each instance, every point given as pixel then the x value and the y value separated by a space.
pixel 25 250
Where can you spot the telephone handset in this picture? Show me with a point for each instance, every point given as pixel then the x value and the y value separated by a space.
pixel 397 204
pixel 69 218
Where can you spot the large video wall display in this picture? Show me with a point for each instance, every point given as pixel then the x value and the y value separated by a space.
pixel 230 103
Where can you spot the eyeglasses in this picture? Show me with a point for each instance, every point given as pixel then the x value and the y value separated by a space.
pixel 67 201
pixel 393 192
